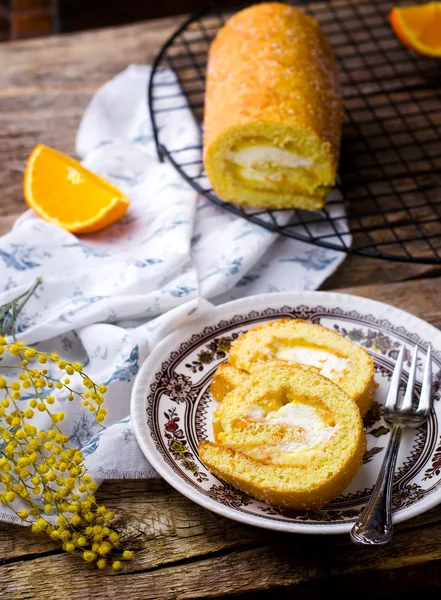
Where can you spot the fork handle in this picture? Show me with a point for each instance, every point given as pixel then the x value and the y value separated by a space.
pixel 374 525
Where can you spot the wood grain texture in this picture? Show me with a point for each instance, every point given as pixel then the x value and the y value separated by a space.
pixel 182 550
pixel 47 85
pixel 361 270
pixel 7 222
pixel 419 297
pixel 187 552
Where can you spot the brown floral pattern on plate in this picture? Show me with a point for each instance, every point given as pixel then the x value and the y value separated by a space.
pixel 182 386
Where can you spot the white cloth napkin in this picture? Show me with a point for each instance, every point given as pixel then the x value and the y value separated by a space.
pixel 108 297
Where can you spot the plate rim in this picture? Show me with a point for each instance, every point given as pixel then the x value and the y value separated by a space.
pixel 149 368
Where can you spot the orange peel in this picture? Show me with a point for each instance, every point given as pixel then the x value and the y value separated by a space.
pixel 418 27
pixel 63 192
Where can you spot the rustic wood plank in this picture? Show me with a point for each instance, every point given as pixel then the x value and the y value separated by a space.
pixel 46 87
pixel 48 84
pixel 156 520
pixel 419 297
pixel 7 222
pixel 282 560
pixel 363 271
pixel 169 528
pixel 184 551
pixel 163 518
pixel 164 527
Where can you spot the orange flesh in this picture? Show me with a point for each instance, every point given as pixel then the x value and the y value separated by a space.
pixel 419 27
pixel 63 192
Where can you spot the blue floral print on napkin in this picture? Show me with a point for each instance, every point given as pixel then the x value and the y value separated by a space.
pixel 107 298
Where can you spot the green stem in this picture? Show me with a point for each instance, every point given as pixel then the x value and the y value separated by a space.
pixel 15 307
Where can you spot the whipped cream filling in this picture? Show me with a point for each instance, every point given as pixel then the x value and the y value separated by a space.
pixel 253 161
pixel 302 416
pixel 330 365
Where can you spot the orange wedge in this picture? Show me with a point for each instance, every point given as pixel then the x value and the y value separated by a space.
pixel 418 27
pixel 63 192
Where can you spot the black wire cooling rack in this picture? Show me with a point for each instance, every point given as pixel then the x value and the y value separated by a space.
pixel 388 200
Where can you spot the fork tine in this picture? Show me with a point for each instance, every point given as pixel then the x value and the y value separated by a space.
pixel 406 404
pixel 426 389
pixel 395 381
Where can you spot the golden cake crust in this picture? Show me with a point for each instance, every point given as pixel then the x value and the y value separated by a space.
pixel 225 379
pixel 271 73
pixel 253 350
pixel 254 454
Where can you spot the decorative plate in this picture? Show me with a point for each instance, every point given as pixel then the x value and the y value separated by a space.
pixel 172 407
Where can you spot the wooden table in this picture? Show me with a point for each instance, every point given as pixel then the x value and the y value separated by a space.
pixel 185 551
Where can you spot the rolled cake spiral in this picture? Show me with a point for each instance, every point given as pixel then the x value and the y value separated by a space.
pixel 273 110
pixel 288 436
pixel 293 340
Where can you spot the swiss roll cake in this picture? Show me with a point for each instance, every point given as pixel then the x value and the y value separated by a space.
pixel 226 378
pixel 273 110
pixel 288 436
pixel 297 341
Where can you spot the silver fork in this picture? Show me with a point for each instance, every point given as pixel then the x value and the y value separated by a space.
pixel 374 525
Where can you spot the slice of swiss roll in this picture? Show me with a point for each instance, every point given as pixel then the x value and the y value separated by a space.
pixel 297 341
pixel 288 436
pixel 273 110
